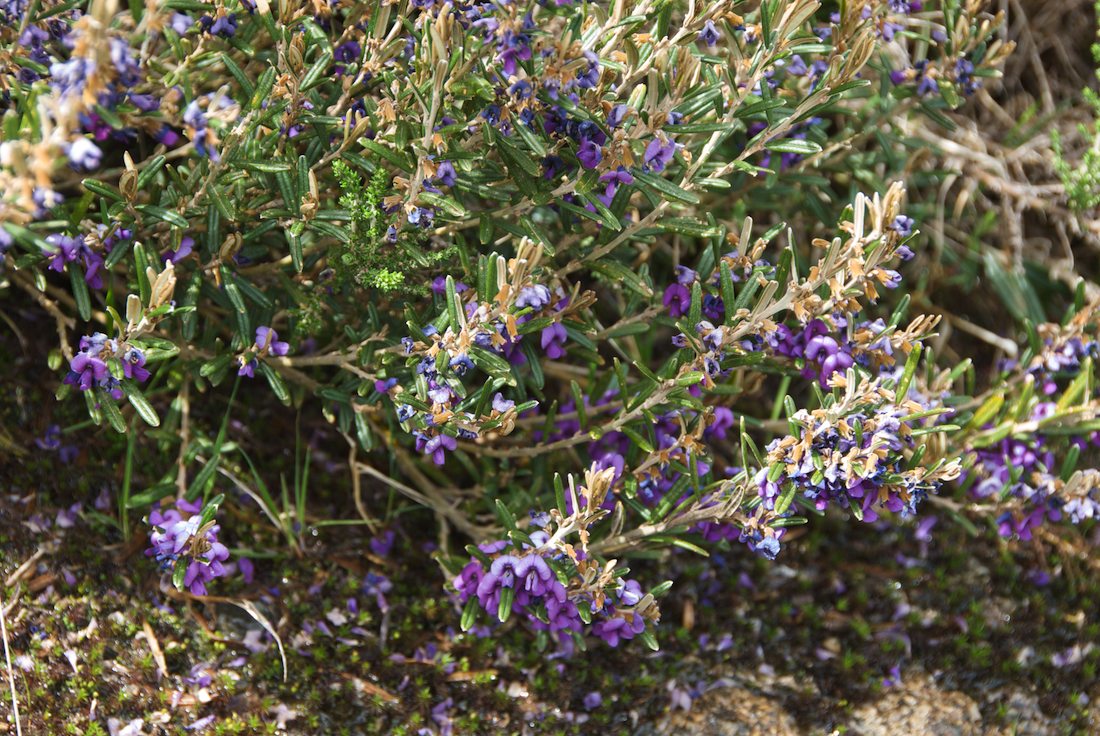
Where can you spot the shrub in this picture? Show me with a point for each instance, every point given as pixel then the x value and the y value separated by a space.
pixel 594 280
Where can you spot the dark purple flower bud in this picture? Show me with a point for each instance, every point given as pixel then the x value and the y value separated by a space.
pixel 347 52
pixel 224 26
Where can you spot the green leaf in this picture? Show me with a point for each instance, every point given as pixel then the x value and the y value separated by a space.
pixel 110 410
pixel 278 385
pixel 103 190
pixel 224 204
pixel 141 404
pixel 180 573
pixel 316 72
pixel 504 607
pixel 151 496
pixel 493 364
pixel 159 213
pixel 794 145
pixel 725 281
pixel 667 188
pixel 910 370
pixel 80 291
pixel 239 75
pixel 205 475
pixel 785 498
pixel 264 84
pixel 506 517
pixel 452 303
pixel 210 509
pixel 618 273
pixel 469 613
pixel 268 167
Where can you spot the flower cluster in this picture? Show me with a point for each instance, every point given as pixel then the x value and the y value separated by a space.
pixel 184 539
pixel 102 362
pixel 1020 473
pixel 267 343
pixel 852 453
pixel 552 585
pixel 486 334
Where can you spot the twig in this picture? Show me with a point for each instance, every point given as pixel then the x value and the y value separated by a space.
pixel 154 647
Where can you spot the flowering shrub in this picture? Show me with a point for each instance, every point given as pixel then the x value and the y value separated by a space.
pixel 587 280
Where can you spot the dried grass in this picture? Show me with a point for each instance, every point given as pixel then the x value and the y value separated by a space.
pixel 1002 152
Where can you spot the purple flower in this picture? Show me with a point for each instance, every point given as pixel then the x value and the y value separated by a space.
pixel 133 364
pixel 382 544
pixel 347 52
pixel 267 339
pixel 709 35
pixel 461 365
pixel 617 115
pixel 797 67
pixel 84 155
pixel 536 297
pixel 923 531
pixel 502 404
pixel 177 541
pixel 832 358
pixel 590 154
pixel 617 629
pixel 658 154
pixel 437 447
pixel 445 174
pixel 439 285
pixel 225 26
pixel 422 217
pixel 181 23
pixel 248 570
pixel 552 339
pixel 721 424
pixel 677 299
pixel 902 225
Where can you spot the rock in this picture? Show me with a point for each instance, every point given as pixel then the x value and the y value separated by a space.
pixel 917 706
pixel 733 711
